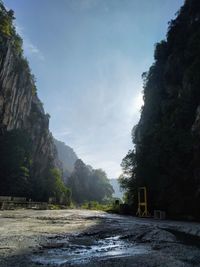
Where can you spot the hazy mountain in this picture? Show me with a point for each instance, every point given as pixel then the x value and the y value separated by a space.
pixel 115 184
pixel 67 156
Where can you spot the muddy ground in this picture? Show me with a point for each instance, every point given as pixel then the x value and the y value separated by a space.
pixel 93 238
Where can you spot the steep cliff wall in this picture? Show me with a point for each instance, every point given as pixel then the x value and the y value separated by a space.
pixel 67 156
pixel 167 138
pixel 20 107
pixel 168 133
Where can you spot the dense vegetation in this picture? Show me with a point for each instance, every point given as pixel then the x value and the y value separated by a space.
pixel 24 171
pixel 87 184
pixel 8 34
pixel 15 161
pixel 18 170
pixel 67 156
pixel 167 138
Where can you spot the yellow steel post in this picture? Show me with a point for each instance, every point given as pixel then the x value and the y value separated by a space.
pixel 142 203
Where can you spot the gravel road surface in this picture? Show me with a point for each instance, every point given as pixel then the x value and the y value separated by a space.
pixel 30 238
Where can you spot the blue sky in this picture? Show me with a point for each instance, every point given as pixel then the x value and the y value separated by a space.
pixel 88 57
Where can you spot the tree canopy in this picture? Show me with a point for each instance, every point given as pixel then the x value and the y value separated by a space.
pixel 87 184
pixel 165 158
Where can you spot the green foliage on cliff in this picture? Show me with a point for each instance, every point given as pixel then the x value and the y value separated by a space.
pixel 87 184
pixel 67 156
pixel 27 154
pixel 167 137
pixel 6 19
pixel 57 189
pixel 8 31
pixel 9 35
pixel 16 171
pixel 15 163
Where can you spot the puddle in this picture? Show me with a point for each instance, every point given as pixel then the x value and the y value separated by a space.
pixel 81 250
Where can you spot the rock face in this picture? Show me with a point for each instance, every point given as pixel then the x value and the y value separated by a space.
pixel 16 91
pixel 166 157
pixel 167 137
pixel 117 192
pixel 67 156
pixel 20 107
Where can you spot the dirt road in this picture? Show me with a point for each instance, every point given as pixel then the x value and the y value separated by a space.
pixel 93 238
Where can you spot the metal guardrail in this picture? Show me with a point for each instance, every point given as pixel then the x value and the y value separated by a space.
pixel 8 202
pixel 10 198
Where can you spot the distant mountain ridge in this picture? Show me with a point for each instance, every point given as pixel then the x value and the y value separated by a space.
pixel 85 183
pixel 67 156
pixel 115 184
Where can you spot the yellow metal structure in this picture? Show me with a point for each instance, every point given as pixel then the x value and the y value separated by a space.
pixel 142 202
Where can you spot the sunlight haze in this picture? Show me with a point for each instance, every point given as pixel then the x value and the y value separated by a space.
pixel 88 57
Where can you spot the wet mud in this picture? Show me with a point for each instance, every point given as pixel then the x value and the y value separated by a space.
pixel 93 238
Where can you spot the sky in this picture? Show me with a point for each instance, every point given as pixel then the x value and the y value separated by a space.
pixel 88 57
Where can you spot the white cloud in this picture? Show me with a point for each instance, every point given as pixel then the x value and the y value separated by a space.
pixel 62 134
pixel 19 29
pixel 29 48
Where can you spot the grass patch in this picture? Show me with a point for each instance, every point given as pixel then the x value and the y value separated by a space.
pixel 94 205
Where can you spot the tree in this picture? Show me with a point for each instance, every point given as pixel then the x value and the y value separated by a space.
pixel 15 163
pixel 57 189
pixel 88 184
pixel 166 157
pixel 100 188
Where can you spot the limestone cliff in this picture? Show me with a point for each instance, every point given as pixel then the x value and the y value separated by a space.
pixel 67 156
pixel 20 107
pixel 166 159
